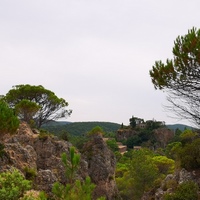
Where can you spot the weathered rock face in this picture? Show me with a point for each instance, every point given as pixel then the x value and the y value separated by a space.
pixel 163 136
pixel 124 134
pixel 28 150
pixel 170 183
pixel 101 167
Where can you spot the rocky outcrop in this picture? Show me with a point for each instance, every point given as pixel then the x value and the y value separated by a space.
pixel 163 136
pixel 124 134
pixel 101 167
pixel 42 153
pixel 170 183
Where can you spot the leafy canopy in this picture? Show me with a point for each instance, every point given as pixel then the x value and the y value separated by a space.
pixel 180 76
pixel 36 103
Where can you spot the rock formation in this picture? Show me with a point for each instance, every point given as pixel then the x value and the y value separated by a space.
pixel 170 182
pixel 30 150
pixel 163 136
pixel 101 167
pixel 124 134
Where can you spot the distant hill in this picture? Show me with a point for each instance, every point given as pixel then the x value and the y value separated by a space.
pixel 56 123
pixel 79 128
pixel 181 127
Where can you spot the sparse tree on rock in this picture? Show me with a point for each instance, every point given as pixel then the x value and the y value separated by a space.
pixel 36 103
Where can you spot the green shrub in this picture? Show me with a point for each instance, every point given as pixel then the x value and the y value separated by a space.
pixel 44 135
pixel 34 195
pixel 30 173
pixel 112 144
pixel 170 184
pixel 96 131
pixel 185 191
pixel 77 190
pixel 9 122
pixel 164 164
pixel 190 155
pixel 74 189
pixel 13 185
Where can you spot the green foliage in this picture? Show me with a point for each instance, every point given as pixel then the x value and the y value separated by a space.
pixel 171 183
pixel 26 109
pixel 13 185
pixel 64 135
pixel 78 141
pixel 72 166
pixel 74 189
pixel 188 136
pixel 140 171
pixel 124 181
pixel 77 190
pixel 132 121
pixel 190 155
pixel 34 195
pixel 112 144
pixel 125 186
pixel 30 173
pixel 36 103
pixel 164 164
pixel 9 122
pixel 44 135
pixel 133 141
pixel 80 128
pixel 180 76
pixel 185 191
pixel 95 131
pixel 152 124
pixel 136 173
pixel 187 153
pixel 143 171
pixel 172 150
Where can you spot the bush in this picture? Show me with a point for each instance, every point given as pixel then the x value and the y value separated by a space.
pixel 34 195
pixel 164 164
pixel 96 131
pixel 13 185
pixel 75 189
pixel 44 135
pixel 30 173
pixel 112 144
pixel 185 191
pixel 190 155
pixel 9 122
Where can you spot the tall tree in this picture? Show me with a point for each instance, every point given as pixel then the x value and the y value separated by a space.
pixel 143 171
pixel 36 103
pixel 180 77
pixel 132 122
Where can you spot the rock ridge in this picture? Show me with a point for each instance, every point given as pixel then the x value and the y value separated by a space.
pixel 27 149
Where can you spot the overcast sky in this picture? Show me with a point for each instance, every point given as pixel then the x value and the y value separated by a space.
pixel 96 54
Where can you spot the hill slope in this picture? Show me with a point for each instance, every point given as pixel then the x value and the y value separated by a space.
pixel 80 128
pixel 181 127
